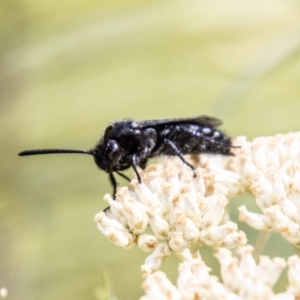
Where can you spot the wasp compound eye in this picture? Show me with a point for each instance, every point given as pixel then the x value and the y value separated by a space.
pixel 113 152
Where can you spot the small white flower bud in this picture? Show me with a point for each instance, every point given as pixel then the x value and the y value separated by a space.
pixel 293 145
pixel 185 274
pixel 216 234
pixel 258 221
pixel 283 224
pixel 289 209
pixel 145 194
pixel 147 242
pixel 185 225
pixel 233 240
pixel 157 286
pixel 199 183
pixel 104 222
pixel 177 243
pixel 259 154
pixel 230 180
pixel 190 231
pixel 159 225
pixel 231 274
pixel 270 269
pixel 120 238
pixel 247 262
pixel 290 231
pixel 200 269
pixel 215 209
pixel 247 168
pixel 189 203
pixel 115 206
pixel 136 215
pixel 155 259
pixel 294 272
pixel 263 190
pixel 187 255
pixel 161 188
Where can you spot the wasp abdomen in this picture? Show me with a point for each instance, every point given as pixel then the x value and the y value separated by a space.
pixel 196 139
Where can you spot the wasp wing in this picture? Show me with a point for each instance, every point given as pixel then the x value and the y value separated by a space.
pixel 201 120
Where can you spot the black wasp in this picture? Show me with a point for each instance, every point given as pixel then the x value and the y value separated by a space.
pixel 126 143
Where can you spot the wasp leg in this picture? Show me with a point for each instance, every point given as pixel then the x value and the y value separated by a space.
pixel 134 164
pixel 113 183
pixel 106 209
pixel 177 152
pixel 122 175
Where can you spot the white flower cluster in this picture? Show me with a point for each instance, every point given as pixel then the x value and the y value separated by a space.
pixel 173 212
pixel 270 168
pixel 242 278
pixel 180 212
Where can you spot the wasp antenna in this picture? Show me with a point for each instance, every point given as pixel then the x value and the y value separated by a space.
pixel 54 151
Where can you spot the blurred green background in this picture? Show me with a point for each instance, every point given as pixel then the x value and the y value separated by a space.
pixel 68 68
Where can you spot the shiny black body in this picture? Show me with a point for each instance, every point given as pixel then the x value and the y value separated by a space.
pixel 128 144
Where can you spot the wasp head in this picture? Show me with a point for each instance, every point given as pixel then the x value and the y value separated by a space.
pixel 107 156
